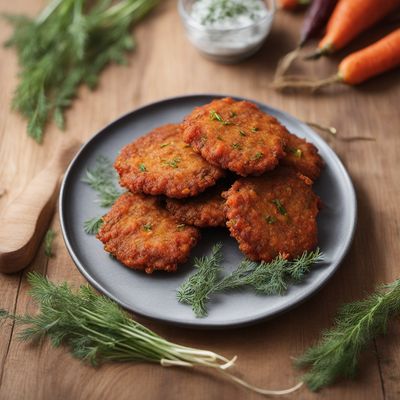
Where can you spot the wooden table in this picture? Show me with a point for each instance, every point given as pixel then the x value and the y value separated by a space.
pixel 164 65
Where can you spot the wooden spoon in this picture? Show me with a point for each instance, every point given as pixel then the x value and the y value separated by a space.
pixel 26 219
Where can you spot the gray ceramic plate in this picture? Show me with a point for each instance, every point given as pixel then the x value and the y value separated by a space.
pixel 154 295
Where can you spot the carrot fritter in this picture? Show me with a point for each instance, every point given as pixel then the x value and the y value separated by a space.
pixel 273 214
pixel 162 163
pixel 143 235
pixel 302 156
pixel 236 135
pixel 205 210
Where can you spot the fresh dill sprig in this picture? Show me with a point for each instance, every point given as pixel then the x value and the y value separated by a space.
pixel 68 44
pixel 356 325
pixel 267 278
pixel 103 179
pixel 92 225
pixel 48 242
pixel 196 289
pixel 96 330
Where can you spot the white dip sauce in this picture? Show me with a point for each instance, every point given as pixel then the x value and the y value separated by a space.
pixel 229 30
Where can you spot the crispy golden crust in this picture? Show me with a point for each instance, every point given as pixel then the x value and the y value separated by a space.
pixel 162 163
pixel 273 214
pixel 142 235
pixel 302 156
pixel 205 210
pixel 235 135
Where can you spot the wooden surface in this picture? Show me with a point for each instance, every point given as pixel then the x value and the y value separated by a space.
pixel 164 65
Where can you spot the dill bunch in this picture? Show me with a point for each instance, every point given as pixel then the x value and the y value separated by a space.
pixel 103 180
pixel 96 330
pixel 267 278
pixel 69 43
pixel 356 325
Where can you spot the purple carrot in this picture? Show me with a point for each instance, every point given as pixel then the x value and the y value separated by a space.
pixel 316 18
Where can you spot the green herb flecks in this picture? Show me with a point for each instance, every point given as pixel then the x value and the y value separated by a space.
pixel 68 44
pixel 221 10
pixel 181 227
pixel 174 163
pixel 232 114
pixel 92 226
pixel 242 133
pixel 148 227
pixel 296 152
pixel 258 156
pixel 270 219
pixel 356 325
pixel 164 145
pixel 219 137
pixel 103 180
pixel 214 116
pixel 48 242
pixel 142 168
pixel 271 278
pixel 236 146
pixel 279 206
pixel 254 129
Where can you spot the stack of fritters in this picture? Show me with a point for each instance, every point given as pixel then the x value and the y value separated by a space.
pixel 271 212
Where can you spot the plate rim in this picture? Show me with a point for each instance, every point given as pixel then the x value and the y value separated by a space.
pixel 224 325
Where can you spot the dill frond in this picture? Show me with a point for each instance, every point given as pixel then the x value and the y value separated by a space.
pixel 92 226
pixel 195 291
pixel 68 44
pixel 356 325
pixel 48 242
pixel 266 278
pixel 103 180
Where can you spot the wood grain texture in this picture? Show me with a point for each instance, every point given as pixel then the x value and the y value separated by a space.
pixel 165 65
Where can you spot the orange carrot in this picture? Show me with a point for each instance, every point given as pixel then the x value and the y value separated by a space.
pixel 292 4
pixel 349 19
pixel 372 60
pixel 357 67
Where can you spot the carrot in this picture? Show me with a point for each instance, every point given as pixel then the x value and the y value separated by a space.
pixel 357 67
pixel 292 4
pixel 372 60
pixel 349 19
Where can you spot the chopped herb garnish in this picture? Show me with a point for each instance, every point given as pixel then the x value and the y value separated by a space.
pixel 181 227
pixel 242 133
pixel 258 156
pixel 219 137
pixel 164 145
pixel 279 206
pixel 147 227
pixel 173 163
pixel 296 152
pixel 254 129
pixel 142 167
pixel 214 116
pixel 270 219
pixel 236 146
pixel 232 114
